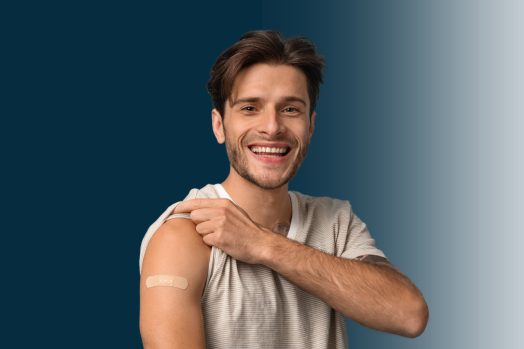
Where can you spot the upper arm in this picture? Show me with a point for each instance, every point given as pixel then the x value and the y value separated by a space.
pixel 373 259
pixel 382 261
pixel 172 317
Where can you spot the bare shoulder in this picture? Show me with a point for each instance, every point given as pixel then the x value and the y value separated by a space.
pixel 174 248
pixel 178 233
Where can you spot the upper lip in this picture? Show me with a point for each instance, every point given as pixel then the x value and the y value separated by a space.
pixel 271 145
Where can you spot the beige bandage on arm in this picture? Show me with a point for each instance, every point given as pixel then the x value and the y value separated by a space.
pixel 166 280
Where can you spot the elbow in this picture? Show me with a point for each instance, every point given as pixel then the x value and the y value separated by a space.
pixel 417 322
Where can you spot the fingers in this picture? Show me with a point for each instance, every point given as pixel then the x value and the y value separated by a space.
pixel 207 214
pixel 206 228
pixel 209 240
pixel 197 204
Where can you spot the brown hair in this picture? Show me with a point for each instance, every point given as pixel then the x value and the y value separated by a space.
pixel 265 47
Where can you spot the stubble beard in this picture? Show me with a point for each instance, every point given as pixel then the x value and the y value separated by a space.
pixel 239 162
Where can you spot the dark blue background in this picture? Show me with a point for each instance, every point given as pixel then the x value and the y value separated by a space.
pixel 106 122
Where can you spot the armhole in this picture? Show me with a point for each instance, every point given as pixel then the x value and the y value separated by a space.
pixel 210 268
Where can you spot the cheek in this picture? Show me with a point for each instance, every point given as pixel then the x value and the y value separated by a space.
pixel 302 134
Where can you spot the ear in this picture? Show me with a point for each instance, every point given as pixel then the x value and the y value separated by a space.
pixel 312 126
pixel 218 126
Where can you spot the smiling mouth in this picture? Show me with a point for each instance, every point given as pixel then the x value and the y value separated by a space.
pixel 270 152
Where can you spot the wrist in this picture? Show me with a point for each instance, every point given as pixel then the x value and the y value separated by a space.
pixel 271 247
pixel 265 249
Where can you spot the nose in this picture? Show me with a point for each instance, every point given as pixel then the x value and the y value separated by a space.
pixel 271 123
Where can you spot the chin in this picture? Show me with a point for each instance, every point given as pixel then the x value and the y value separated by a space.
pixel 274 182
pixel 269 185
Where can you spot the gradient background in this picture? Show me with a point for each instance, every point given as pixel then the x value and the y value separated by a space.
pixel 106 122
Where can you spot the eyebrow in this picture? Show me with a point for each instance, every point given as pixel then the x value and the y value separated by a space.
pixel 258 99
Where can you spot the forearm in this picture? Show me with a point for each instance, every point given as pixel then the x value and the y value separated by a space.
pixel 372 295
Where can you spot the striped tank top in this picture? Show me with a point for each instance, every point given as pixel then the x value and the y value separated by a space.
pixel 252 306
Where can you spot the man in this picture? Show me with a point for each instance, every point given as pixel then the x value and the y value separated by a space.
pixel 257 266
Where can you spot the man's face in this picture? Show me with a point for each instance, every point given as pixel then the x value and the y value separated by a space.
pixel 270 110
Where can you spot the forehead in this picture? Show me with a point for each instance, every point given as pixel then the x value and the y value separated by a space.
pixel 270 82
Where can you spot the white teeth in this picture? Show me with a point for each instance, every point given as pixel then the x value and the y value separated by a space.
pixel 268 150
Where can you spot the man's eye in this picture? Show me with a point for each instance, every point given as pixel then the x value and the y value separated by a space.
pixel 290 109
pixel 249 108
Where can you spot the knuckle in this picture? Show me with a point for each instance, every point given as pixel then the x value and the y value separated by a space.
pixel 219 238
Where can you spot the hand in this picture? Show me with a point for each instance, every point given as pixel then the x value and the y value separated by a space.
pixel 227 226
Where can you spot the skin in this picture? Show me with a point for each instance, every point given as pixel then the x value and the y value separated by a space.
pixel 367 289
pixel 172 317
pixel 260 189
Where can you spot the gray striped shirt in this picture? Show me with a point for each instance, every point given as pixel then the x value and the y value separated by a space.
pixel 251 306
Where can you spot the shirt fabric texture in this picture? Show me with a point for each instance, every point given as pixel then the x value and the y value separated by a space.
pixel 251 306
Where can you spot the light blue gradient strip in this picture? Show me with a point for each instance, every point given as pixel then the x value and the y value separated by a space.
pixel 420 125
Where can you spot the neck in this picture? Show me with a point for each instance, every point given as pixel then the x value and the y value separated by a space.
pixel 268 208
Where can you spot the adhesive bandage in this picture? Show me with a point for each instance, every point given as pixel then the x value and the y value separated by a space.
pixel 166 280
